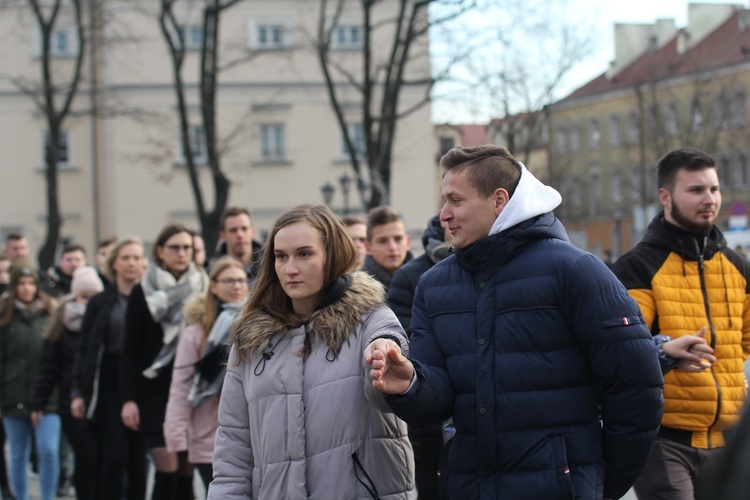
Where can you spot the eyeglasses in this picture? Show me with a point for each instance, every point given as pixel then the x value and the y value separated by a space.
pixel 177 248
pixel 233 281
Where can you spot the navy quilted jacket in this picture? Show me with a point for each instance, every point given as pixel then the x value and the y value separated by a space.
pixel 543 361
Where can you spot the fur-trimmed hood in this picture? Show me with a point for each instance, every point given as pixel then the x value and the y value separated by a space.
pixel 195 310
pixel 332 324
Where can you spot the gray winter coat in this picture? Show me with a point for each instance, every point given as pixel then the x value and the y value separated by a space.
pixel 297 427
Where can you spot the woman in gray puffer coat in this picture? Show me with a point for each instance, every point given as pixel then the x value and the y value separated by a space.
pixel 298 416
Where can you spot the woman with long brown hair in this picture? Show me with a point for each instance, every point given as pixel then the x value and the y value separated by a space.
pixel 298 417
pixel 25 314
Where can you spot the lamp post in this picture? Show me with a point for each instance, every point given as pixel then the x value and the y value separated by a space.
pixel 327 189
pixel 345 180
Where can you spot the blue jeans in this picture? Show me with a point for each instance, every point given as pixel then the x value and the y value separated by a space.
pixel 47 434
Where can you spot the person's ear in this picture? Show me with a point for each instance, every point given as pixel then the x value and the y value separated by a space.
pixel 665 198
pixel 501 198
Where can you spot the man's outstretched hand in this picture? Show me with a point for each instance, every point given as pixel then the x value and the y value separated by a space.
pixel 391 371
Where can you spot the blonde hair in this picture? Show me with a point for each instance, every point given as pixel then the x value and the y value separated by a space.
pixel 212 301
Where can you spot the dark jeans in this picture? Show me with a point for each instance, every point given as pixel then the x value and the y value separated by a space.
pixel 427 445
pixel 672 471
pixel 86 450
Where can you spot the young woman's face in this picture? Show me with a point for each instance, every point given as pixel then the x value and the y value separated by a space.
pixel 300 265
pixel 26 289
pixel 230 285
pixel 129 262
pixel 177 253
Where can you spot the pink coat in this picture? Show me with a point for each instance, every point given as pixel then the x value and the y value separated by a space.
pixel 187 427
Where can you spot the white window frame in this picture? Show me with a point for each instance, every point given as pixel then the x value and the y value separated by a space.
pixel 272 142
pixel 614 130
pixel 65 146
pixel 742 171
pixel 595 133
pixel 574 132
pixel 672 119
pixel 633 131
pixel 635 184
pixel 343 36
pixel 265 28
pixel 357 136
pixel 696 116
pixel 197 137
pixel 616 186
pixel 70 33
pixel 739 108
pixel 188 31
pixel 561 139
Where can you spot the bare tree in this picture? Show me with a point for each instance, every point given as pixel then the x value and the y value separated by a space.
pixel 54 100
pixel 174 35
pixel 381 82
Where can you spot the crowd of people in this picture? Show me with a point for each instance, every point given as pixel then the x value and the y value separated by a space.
pixel 328 362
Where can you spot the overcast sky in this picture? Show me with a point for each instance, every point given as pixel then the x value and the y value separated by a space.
pixel 598 16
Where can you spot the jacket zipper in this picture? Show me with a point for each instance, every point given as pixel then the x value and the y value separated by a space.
pixel 704 291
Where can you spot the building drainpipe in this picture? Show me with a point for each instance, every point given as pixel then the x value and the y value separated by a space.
pixel 93 91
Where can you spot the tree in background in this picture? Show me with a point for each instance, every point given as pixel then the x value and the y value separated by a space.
pixel 53 95
pixel 175 37
pixel 381 82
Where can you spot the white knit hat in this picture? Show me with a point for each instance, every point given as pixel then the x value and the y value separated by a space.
pixel 85 280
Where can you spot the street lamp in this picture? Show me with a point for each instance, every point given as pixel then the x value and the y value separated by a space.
pixel 327 189
pixel 345 180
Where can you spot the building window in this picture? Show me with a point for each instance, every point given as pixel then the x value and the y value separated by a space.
pixel 672 120
pixel 616 186
pixel 193 36
pixel 576 191
pixel 739 111
pixel 743 175
pixel 348 37
pixel 696 116
pixel 63 149
pixel 575 137
pixel 63 42
pixel 633 127
pixel 652 120
pixel 720 111
pixel 560 142
pixel 595 135
pixel 652 191
pixel 595 192
pixel 635 184
pixel 270 36
pixel 725 173
pixel 272 142
pixel 614 130
pixel 197 138
pixel 446 144
pixel 356 135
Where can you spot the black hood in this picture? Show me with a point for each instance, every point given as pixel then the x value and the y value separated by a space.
pixel 434 231
pixel 687 245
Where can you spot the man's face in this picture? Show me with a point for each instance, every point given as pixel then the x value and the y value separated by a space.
pixel 388 245
pixel 70 261
pixel 17 249
pixel 238 233
pixel 695 200
pixel 468 215
pixel 358 232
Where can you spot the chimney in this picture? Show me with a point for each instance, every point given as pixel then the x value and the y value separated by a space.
pixel 634 40
pixel 704 18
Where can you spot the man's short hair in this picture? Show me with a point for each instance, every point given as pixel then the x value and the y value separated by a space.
pixel 107 242
pixel 380 216
pixel 75 247
pixel 690 159
pixel 488 167
pixel 233 212
pixel 14 237
pixel 352 220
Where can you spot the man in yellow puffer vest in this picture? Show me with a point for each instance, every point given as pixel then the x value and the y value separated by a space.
pixel 687 282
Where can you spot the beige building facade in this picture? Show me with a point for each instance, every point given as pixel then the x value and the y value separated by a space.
pixel 122 171
pixel 668 88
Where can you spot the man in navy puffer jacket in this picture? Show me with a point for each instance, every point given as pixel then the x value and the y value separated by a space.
pixel 532 346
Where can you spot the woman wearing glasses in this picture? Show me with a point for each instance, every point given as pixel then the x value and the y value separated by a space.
pixel 200 365
pixel 154 320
